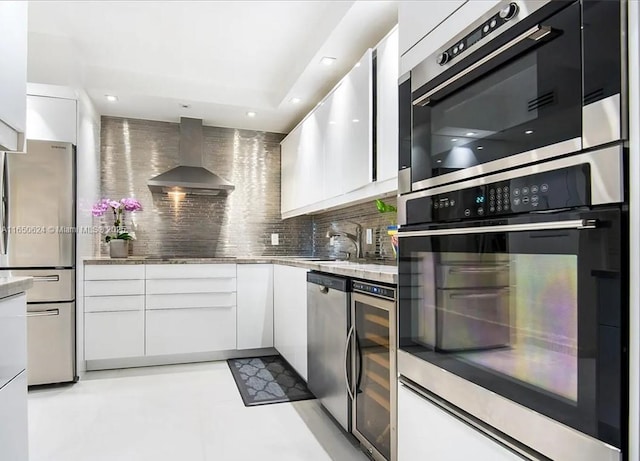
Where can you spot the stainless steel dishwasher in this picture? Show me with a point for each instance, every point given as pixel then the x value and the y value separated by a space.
pixel 328 328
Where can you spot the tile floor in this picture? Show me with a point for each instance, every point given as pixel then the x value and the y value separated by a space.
pixel 176 413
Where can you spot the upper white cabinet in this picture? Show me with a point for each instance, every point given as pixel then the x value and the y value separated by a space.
pixel 427 26
pixel 51 119
pixel 417 19
pixel 328 160
pixel 13 78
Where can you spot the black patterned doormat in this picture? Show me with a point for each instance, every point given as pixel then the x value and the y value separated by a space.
pixel 269 379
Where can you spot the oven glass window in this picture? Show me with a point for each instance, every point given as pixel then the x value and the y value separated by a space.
pixel 512 315
pixel 533 100
pixel 532 315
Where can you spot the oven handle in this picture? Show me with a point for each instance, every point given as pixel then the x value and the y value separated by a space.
pixel 536 33
pixel 541 226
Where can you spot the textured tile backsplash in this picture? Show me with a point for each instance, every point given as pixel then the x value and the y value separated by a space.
pixel 241 224
pixel 345 220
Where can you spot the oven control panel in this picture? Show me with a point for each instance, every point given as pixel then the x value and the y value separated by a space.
pixel 507 13
pixel 567 187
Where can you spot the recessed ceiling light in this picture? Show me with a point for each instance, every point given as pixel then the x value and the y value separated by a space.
pixel 439 161
pixel 295 100
pixel 355 120
pixel 454 139
pixel 528 132
pixel 111 98
pixel 251 114
pixel 470 133
pixel 480 147
pixel 328 61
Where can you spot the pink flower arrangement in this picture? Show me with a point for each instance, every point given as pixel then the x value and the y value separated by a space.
pixel 118 208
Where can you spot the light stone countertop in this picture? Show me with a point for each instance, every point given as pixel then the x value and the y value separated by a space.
pixel 10 286
pixel 367 270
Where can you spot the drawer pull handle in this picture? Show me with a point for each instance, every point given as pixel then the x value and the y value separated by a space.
pixel 479 295
pixel 48 313
pixel 46 278
pixel 478 269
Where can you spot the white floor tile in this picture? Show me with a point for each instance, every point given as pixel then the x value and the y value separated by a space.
pixel 176 413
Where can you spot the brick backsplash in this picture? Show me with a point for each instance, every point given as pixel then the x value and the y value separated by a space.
pixel 241 224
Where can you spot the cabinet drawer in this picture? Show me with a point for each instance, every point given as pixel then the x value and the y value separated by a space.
pixel 114 272
pixel 181 301
pixel 113 303
pixel 13 337
pixel 113 287
pixel 218 285
pixel 110 335
pixel 190 271
pixel 179 331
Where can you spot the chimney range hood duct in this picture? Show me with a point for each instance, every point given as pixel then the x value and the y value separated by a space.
pixel 190 177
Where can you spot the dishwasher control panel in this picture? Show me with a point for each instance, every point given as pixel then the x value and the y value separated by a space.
pixel 375 290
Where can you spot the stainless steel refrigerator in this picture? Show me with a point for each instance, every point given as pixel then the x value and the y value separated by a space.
pixel 38 240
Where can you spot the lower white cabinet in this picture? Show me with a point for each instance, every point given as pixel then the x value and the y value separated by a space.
pixel 290 315
pixel 255 306
pixel 14 443
pixel 426 431
pixel 187 330
pixel 113 335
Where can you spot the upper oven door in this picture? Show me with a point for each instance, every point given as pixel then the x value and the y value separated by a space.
pixel 528 308
pixel 521 93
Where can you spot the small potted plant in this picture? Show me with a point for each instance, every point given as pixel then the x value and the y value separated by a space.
pixel 118 240
pixel 392 228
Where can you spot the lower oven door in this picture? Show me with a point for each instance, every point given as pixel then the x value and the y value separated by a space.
pixel 520 323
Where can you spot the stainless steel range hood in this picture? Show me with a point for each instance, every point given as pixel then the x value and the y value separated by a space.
pixel 190 177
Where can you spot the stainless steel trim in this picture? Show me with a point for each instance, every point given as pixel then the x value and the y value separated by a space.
pixel 404 181
pixel 46 313
pixel 624 71
pixel 46 278
pixel 429 68
pixel 513 161
pixel 601 122
pixel 549 437
pixel 606 177
pixel 455 412
pixel 540 226
pixel 346 364
pixel 535 33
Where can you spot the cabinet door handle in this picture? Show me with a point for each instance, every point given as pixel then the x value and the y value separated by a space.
pixel 346 362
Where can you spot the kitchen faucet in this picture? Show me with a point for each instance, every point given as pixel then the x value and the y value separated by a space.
pixel 356 239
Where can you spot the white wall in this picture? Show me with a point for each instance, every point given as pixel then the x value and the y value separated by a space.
pixel 88 192
pixel 634 201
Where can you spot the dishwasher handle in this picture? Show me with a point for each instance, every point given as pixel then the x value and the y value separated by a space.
pixel 324 289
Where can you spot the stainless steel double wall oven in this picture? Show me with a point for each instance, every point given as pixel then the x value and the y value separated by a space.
pixel 513 256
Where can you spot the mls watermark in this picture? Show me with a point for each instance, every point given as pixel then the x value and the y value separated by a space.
pixel 41 230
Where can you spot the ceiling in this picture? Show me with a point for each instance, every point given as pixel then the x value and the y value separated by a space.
pixel 221 58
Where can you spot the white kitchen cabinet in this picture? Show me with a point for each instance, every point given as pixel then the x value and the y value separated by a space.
pixel 190 308
pixel 288 165
pixel 14 430
pixel 113 311
pixel 387 108
pixel 113 335
pixel 417 19
pixel 437 22
pixel 290 315
pixel 13 337
pixel 255 306
pixel 182 331
pixel 13 78
pixel 52 119
pixel 426 431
